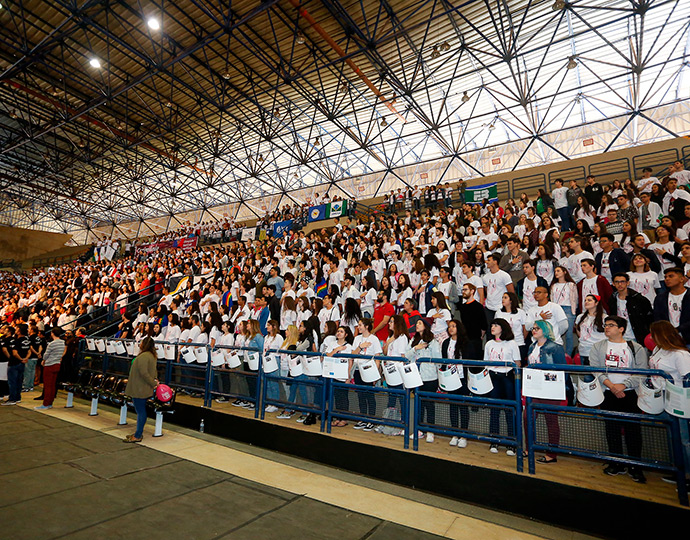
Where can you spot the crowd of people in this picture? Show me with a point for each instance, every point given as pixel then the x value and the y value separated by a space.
pixel 583 274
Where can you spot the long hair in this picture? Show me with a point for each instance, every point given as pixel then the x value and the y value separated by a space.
pixel 426 336
pixel 440 300
pixel 148 345
pixel 667 337
pixel 352 312
pixel 506 330
pixel 598 316
pixel 460 338
pixel 514 302
pixel 399 326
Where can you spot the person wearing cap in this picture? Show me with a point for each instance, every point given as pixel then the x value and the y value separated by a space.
pixel 141 384
pixel 544 350
pixel 52 357
pixel 619 392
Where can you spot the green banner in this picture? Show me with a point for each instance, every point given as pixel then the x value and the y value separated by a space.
pixel 476 194
pixel 336 209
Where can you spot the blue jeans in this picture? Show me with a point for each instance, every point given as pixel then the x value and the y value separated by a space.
pixel 298 386
pixel 140 407
pixel 564 214
pixel 569 345
pixel 30 373
pixel 15 377
pixel 273 386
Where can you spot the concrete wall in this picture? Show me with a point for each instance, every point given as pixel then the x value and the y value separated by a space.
pixel 20 244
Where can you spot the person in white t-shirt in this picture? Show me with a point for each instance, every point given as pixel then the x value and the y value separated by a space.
pixel 619 392
pixel 560 201
pixel 589 327
pixel 517 319
pixel 464 273
pixel 642 279
pixel 366 344
pixel 496 282
pixel 502 348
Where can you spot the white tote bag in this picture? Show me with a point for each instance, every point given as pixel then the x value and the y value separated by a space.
pixel 368 371
pixel 271 363
pixel 100 345
pixel 201 355
pixel 295 365
pixel 90 344
pixel 480 383
pixel 312 366
pixel 160 351
pixel 233 360
pixel 410 375
pixel 131 347
pixel 677 400
pixel 391 374
pixel 110 347
pixel 217 358
pixel 252 359
pixel 120 348
pixel 188 355
pixel 449 378
pixel 335 368
pixel 170 352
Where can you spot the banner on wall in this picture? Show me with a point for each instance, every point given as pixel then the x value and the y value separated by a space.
pixel 336 209
pixel 317 213
pixel 248 233
pixel 476 194
pixel 187 244
pixel 281 227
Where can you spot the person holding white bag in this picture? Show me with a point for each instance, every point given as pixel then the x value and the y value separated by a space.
pixel 502 348
pixel 227 339
pixel 366 343
pixel 425 345
pixel 457 347
pixel 342 345
pixel 273 341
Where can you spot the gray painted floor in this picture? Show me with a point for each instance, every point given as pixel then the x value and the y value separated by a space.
pixel 58 480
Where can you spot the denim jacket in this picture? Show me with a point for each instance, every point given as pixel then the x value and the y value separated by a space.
pixel 550 353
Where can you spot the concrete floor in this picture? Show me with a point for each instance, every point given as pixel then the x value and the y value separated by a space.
pixel 60 480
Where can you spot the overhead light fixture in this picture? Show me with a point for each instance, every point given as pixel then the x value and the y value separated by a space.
pixel 226 75
pixel 296 175
pixel 154 24
pixel 434 53
pixel 572 63
pixel 261 157
pixel 384 122
pixel 492 126
pixel 95 63
pixel 465 97
pixel 445 46
pixel 316 142
pixel 81 143
pixel 277 112
pixel 54 91
pixel 558 5
pixel 169 104
pixel 14 114
pixel 300 38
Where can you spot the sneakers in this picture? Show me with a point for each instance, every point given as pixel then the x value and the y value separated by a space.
pixel 39 398
pixel 286 414
pixel 454 441
pixel 420 434
pixel 271 408
pixel 637 475
pixel 614 469
pixel 246 404
pixel 250 406
pixel 238 403
pixel 493 449
pixel 222 400
pixel 43 407
pixel 511 452
pixel 10 403
pixel 302 418
pixel 429 437
pixel 360 425
pixel 668 479
pixel 462 442
pixel 368 427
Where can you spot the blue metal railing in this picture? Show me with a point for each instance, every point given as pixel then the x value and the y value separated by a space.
pixel 330 399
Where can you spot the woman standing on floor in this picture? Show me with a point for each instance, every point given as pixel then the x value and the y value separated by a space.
pixel 141 384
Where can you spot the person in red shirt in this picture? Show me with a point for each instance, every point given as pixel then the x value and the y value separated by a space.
pixel 383 311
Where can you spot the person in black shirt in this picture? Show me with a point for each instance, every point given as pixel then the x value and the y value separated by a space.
pixel 473 319
pixel 593 192
pixel 5 346
pixel 19 352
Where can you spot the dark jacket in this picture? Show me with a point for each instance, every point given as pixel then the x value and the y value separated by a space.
pixel 618 261
pixel 430 289
pixel 661 313
pixel 640 314
pixel 520 285
pixel 594 194
pixel 605 291
pixel 274 308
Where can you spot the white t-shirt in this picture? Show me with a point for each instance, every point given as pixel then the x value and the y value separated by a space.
pixel 589 286
pixel 645 184
pixel 618 355
pixel 373 346
pixel 668 247
pixel 501 351
pixel 560 197
pixel 675 363
pixel 533 357
pixel 517 322
pixel 399 346
pixel 605 266
pixel 440 324
pixel 589 335
pixel 474 280
pixel 645 283
pixel 574 266
pixel 675 304
pixel 622 311
pixel 528 287
pixel 496 284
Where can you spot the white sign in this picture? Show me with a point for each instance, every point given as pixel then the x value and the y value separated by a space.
pixel 538 383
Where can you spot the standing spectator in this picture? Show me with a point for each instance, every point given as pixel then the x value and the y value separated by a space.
pixel 593 191
pixel 546 310
pixel 593 284
pixel 619 392
pixel 631 306
pixel 474 320
pixel 560 200
pixel 673 304
pixel 647 181
pixel 513 260
pixel 496 282
pixel 610 260
pixel 526 286
pixel 141 383
pixel 650 213
pixel 19 355
pixel 383 312
pixel 589 327
pixel 51 367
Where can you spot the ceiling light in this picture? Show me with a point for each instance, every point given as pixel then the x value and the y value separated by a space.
pixel 14 114
pixel 154 24
pixel 261 157
pixel 445 46
pixel 384 123
pixel 558 5
pixel 434 53
pixel 465 97
pixel 277 112
pixel 344 88
pixel 95 63
pixel 296 175
pixel 226 75
pixel 54 91
pixel 300 38
pixel 492 126
pixel 81 143
pixel 169 104
pixel 572 63
pixel 316 142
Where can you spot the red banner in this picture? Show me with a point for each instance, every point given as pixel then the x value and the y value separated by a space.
pixel 185 244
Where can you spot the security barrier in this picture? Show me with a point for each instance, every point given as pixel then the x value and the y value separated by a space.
pixel 549 427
